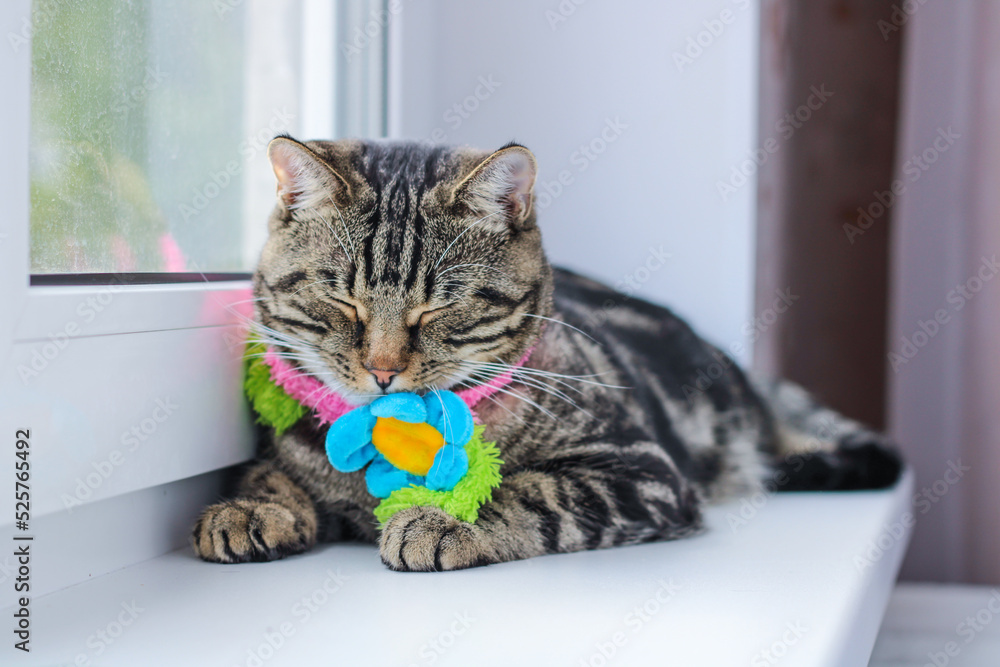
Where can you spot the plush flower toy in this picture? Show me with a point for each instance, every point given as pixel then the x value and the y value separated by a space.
pixel 419 450
pixel 404 439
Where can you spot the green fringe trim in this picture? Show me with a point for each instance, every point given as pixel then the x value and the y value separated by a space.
pixel 463 501
pixel 273 406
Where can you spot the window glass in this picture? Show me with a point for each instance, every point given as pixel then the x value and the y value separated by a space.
pixel 149 123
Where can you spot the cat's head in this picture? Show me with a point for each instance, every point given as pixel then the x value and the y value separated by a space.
pixel 401 266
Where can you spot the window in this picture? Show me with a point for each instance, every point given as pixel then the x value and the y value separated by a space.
pixel 136 199
pixel 150 122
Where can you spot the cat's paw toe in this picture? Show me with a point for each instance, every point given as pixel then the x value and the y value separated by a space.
pixel 426 539
pixel 240 531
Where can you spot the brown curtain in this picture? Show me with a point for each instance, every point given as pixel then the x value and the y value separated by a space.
pixel 835 156
pixel 891 245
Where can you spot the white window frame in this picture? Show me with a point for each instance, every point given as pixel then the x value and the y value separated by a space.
pixel 84 366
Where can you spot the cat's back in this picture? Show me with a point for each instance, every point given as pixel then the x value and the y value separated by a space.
pixel 667 366
pixel 605 313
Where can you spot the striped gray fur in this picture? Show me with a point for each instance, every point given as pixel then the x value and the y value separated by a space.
pixel 408 267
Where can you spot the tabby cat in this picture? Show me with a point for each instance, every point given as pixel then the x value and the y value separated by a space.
pixel 397 266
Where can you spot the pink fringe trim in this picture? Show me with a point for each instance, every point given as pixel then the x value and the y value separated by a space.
pixel 330 406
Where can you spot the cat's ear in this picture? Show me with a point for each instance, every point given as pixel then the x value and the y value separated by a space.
pixel 305 181
pixel 501 187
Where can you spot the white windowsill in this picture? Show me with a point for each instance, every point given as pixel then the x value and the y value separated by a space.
pixel 792 566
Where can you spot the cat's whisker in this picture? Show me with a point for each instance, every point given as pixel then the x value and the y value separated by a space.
pixel 318 390
pixel 541 386
pixel 535 371
pixel 538 382
pixel 521 397
pixel 346 230
pixel 565 324
pixel 517 372
pixel 308 357
pixel 464 231
pixel 328 281
pixel 288 340
pixel 505 365
pixel 334 232
pixel 282 344
pixel 577 378
pixel 548 389
pixel 483 378
pixel 242 301
pixel 444 413
pixel 281 355
pixel 467 385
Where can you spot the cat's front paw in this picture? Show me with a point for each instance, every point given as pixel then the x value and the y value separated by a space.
pixel 426 539
pixel 248 530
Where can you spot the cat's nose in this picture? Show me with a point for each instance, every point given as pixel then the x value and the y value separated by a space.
pixel 384 376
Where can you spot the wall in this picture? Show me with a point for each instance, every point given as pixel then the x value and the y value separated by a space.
pixel 662 134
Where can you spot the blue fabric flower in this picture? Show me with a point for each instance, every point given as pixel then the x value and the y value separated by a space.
pixel 375 433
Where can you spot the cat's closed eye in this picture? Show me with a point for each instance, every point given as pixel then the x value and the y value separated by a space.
pixel 349 309
pixel 425 315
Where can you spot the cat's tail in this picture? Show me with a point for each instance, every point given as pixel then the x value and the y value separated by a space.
pixel 822 450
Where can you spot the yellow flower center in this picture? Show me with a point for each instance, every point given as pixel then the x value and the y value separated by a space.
pixel 409 447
